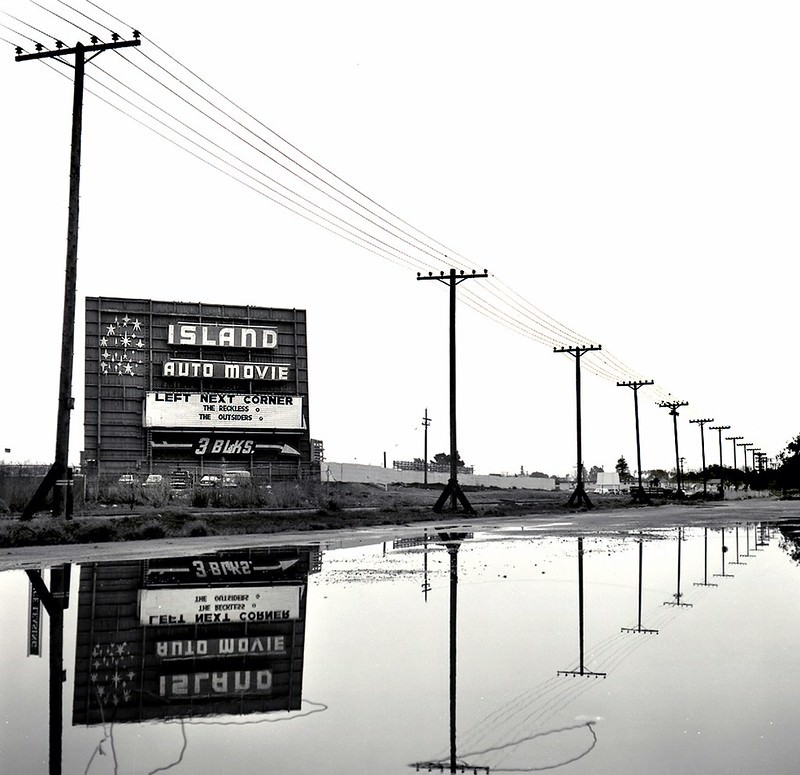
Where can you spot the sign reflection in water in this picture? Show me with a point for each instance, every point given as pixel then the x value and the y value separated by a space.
pixel 189 636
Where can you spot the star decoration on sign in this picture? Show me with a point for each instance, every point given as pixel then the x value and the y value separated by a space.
pixel 111 675
pixel 121 346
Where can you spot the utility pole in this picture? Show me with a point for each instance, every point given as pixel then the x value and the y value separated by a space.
pixel 734 439
pixel 579 497
pixel 62 502
pixel 673 407
pixel 426 421
pixel 640 496
pixel 745 450
pixel 702 423
pixel 719 429
pixel 452 489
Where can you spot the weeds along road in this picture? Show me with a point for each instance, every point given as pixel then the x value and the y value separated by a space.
pixel 553 522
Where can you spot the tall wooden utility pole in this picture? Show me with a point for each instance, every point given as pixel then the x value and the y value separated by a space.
pixel 640 496
pixel 701 422
pixel 734 439
pixel 426 421
pixel 452 489
pixel 744 446
pixel 59 470
pixel 719 429
pixel 579 496
pixel 673 407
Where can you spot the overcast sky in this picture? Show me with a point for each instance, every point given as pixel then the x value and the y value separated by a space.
pixel 629 169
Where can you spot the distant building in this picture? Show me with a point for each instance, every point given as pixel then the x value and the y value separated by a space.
pixel 607 482
pixel 437 468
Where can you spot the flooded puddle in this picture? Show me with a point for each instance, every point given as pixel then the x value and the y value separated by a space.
pixel 500 651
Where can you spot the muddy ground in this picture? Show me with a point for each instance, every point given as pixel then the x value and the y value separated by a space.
pixel 363 515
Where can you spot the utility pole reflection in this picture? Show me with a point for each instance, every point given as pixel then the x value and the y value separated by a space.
pixel 426 586
pixel 56 601
pixel 678 594
pixel 738 560
pixel 582 671
pixel 639 627
pixel 724 550
pixel 452 542
pixel 705 582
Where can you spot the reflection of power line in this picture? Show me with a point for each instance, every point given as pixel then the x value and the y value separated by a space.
pixel 678 594
pixel 705 582
pixel 582 671
pixel 639 627
pixel 108 733
pixel 514 743
pixel 317 707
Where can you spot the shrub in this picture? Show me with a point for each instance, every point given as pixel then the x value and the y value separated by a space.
pixel 148 530
pixel 92 533
pixel 196 529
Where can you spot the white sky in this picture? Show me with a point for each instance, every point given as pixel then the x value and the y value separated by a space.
pixel 630 168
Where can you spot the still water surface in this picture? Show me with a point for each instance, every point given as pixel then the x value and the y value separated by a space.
pixel 672 651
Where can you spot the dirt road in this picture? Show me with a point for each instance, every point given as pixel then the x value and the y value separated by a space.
pixel 551 522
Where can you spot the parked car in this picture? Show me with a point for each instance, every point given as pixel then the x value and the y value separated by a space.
pixel 127 479
pixel 209 480
pixel 235 478
pixel 179 480
pixel 153 480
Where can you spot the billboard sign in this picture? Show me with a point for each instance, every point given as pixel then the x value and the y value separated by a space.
pixel 251 411
pixel 200 605
pixel 222 569
pixel 265 372
pixel 204 335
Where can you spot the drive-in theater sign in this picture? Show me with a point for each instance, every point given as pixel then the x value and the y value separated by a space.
pixel 198 387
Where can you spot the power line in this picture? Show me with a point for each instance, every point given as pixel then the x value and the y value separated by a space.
pixel 496 301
